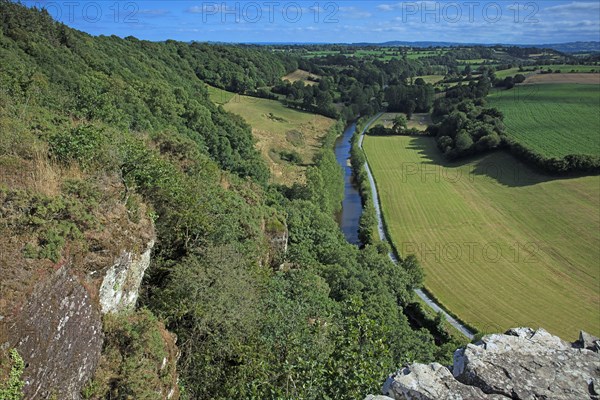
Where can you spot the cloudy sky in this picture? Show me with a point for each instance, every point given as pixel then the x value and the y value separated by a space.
pixel 525 22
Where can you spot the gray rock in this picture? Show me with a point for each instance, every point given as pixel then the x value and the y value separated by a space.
pixel 377 397
pixel 121 282
pixel 61 338
pixel 432 382
pixel 521 364
pixel 587 341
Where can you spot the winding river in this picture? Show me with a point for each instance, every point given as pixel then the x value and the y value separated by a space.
pixel 352 210
pixel 349 217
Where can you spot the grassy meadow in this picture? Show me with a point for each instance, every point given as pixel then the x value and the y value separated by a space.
pixel 301 75
pixel 418 121
pixel 501 245
pixel 278 129
pixel 552 119
pixel 219 96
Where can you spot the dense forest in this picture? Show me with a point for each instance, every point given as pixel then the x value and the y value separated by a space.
pixel 129 123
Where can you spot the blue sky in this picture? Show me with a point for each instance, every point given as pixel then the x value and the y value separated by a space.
pixel 526 22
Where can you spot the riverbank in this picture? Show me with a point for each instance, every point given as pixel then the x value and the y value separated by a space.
pixel 373 206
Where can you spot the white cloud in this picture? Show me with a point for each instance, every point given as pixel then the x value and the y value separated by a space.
pixel 575 6
pixel 153 12
pixel 353 12
pixel 385 7
pixel 208 8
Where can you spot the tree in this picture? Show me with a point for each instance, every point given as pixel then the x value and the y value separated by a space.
pixel 324 100
pixel 508 82
pixel 463 141
pixel 410 109
pixel 519 78
pixel 399 124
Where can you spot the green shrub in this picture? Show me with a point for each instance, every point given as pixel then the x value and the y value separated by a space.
pixel 12 389
pixel 86 144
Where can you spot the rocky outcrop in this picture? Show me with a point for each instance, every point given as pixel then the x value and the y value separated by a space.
pixel 53 316
pixel 121 282
pixel 58 332
pixel 59 337
pixel 521 364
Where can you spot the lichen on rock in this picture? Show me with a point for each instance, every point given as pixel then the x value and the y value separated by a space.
pixel 60 338
pixel 121 282
pixel 520 364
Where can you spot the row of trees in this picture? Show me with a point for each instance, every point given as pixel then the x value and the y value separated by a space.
pixel 410 99
pixel 466 126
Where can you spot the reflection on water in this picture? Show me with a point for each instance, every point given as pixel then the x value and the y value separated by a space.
pixel 349 217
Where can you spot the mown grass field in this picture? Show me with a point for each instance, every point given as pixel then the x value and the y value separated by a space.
pixel 501 245
pixel 563 68
pixel 552 119
pixel 277 128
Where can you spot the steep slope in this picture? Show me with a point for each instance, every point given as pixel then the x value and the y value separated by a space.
pixel 109 145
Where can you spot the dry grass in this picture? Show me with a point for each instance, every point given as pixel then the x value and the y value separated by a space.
pixel 301 75
pixel 38 174
pixel 277 128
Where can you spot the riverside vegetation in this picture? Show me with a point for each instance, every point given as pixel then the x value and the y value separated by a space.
pixel 90 125
pixel 90 120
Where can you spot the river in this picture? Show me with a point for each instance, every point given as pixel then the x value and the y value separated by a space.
pixel 349 217
pixel 351 212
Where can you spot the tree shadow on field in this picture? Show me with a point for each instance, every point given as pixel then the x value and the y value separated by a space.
pixel 498 165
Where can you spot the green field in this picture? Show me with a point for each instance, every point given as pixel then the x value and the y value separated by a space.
pixel 471 62
pixel 508 72
pixel 277 128
pixel 572 68
pixel 501 245
pixel 418 121
pixel 553 119
pixel 382 54
pixel 219 96
pixel 564 68
pixel 433 79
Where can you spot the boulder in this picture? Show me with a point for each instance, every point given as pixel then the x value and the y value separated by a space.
pixel 431 382
pixel 521 364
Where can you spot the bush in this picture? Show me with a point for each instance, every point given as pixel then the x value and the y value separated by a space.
pixel 291 156
pixel 12 389
pixel 84 144
pixel 132 363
